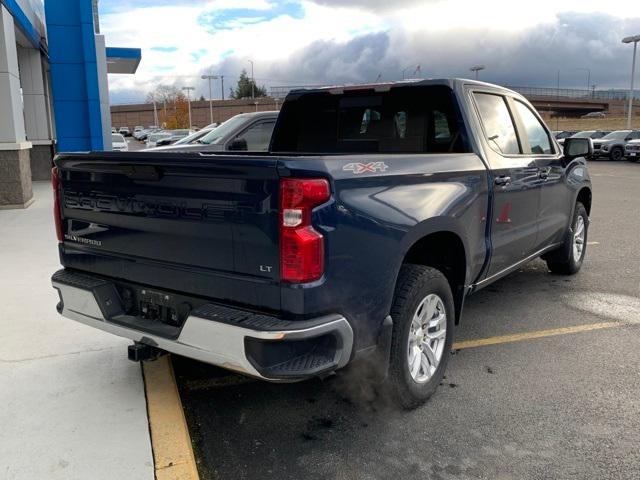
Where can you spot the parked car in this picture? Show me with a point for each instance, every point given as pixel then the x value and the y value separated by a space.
pixel 632 150
pixel 138 135
pixel 594 115
pixel 153 138
pixel 244 132
pixel 113 130
pixel 175 135
pixel 138 128
pixel 124 131
pixel 560 134
pixel 613 144
pixel 594 134
pixel 358 236
pixel 142 135
pixel 194 137
pixel 119 143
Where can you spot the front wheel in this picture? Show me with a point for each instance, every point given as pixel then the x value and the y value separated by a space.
pixel 423 319
pixel 616 154
pixel 568 260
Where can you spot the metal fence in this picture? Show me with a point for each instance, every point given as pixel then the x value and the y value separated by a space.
pixel 571 93
pixel 551 92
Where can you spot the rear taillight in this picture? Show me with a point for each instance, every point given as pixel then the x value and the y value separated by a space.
pixel 301 246
pixel 57 216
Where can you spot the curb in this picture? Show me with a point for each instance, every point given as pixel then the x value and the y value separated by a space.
pixel 172 451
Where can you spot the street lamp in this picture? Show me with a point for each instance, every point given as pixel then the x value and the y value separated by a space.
pixel 634 39
pixel 155 109
pixel 210 78
pixel 188 90
pixel 476 69
pixel 253 81
pixel 588 70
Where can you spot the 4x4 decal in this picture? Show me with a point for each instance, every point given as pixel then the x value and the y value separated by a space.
pixel 371 167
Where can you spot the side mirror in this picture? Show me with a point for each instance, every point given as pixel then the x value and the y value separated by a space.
pixel 578 147
pixel 238 144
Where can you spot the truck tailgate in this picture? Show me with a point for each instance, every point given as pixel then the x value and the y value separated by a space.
pixel 201 224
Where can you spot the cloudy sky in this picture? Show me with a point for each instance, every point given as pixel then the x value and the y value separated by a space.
pixel 308 42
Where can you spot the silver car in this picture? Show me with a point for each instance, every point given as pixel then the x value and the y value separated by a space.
pixel 249 132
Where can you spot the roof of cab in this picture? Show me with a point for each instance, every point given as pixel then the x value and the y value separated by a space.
pixel 452 83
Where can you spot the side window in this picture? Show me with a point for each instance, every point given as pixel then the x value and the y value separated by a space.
pixel 257 137
pixel 441 127
pixel 497 122
pixel 368 117
pixel 539 142
pixel 400 123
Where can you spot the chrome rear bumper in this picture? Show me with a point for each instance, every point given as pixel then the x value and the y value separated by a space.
pixel 86 299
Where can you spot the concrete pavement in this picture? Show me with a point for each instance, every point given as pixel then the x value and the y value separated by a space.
pixel 73 406
pixel 546 386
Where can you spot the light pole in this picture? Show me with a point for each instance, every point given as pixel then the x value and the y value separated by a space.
pixel 253 81
pixel 588 70
pixel 635 39
pixel 476 69
pixel 155 110
pixel 188 90
pixel 210 78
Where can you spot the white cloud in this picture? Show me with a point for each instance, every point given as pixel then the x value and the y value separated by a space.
pixel 447 33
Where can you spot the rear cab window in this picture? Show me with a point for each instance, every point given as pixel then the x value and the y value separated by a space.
pixel 415 119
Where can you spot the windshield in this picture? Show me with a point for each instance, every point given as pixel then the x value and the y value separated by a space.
pixel 217 134
pixel 586 134
pixel 619 135
pixel 117 139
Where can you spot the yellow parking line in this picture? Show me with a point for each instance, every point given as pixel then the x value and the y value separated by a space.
pixel 172 451
pixel 519 337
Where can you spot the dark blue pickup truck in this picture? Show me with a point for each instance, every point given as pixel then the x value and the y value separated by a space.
pixel 376 211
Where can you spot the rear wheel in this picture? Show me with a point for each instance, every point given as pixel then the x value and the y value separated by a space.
pixel 568 259
pixel 423 319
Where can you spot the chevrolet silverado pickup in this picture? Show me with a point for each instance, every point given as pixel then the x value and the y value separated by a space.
pixel 355 239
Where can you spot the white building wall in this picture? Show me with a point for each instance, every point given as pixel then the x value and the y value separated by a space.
pixel 12 129
pixel 103 85
pixel 34 96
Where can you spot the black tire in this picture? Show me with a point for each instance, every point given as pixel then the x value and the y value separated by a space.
pixel 616 154
pixel 563 261
pixel 415 283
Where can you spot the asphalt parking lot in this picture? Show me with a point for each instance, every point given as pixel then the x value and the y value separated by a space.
pixel 563 406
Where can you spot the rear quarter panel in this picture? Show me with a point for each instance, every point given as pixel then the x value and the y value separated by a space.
pixel 373 220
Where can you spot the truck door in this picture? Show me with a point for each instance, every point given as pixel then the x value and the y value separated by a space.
pixel 555 196
pixel 513 223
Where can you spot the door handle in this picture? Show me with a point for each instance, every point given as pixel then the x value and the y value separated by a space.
pixel 543 174
pixel 502 180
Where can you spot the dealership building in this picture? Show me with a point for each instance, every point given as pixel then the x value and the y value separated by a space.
pixel 53 88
